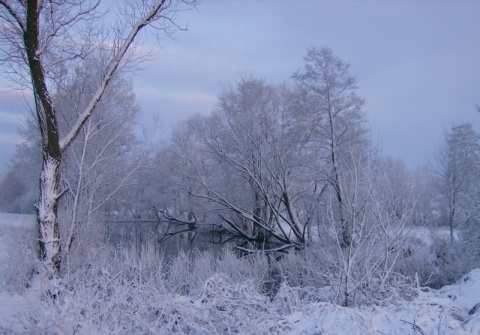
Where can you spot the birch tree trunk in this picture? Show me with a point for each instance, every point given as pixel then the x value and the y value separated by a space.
pixel 49 235
pixel 49 246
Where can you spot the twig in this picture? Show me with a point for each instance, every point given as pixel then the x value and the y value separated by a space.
pixel 415 327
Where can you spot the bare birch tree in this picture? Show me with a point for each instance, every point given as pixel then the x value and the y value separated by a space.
pixel 40 41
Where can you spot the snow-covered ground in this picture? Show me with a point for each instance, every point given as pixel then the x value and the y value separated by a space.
pixel 449 310
pixel 445 311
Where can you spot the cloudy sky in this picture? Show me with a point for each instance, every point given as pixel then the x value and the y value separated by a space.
pixel 417 63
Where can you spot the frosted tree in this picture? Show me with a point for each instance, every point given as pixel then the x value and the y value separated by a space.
pixel 457 169
pixel 24 167
pixel 247 160
pixel 361 233
pixel 337 125
pixel 101 158
pixel 41 41
pixel 395 188
pixel 12 188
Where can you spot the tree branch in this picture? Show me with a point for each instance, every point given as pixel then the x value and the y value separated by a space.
pixel 13 13
pixel 143 22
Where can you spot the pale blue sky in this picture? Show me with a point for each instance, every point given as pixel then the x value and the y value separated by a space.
pixel 417 63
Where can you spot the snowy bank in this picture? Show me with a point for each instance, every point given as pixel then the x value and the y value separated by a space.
pixel 135 298
pixel 449 310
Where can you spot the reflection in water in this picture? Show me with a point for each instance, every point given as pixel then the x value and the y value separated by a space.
pixel 171 237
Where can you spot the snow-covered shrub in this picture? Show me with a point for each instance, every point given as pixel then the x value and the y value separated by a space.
pixel 97 301
pixel 416 261
pixel 253 268
pixel 90 237
pixel 451 260
pixel 187 272
pixel 236 307
pixel 181 278
pixel 304 268
pixel 118 293
pixel 319 270
pixel 290 298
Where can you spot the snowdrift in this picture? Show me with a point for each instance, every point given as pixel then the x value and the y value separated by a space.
pixel 454 309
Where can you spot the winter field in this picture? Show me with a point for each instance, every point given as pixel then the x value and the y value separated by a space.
pixel 121 293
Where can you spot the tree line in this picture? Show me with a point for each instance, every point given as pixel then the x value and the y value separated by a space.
pixel 278 167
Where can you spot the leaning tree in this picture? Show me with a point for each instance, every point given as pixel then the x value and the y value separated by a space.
pixel 41 41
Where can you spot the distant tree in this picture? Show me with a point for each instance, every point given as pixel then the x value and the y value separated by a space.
pixel 427 210
pixel 248 164
pixel 362 216
pixel 396 185
pixel 337 124
pixel 457 170
pixel 23 168
pixel 44 39
pixel 283 166
pixel 11 190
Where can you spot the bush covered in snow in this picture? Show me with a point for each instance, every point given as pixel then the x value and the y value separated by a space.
pixel 130 291
pixel 118 292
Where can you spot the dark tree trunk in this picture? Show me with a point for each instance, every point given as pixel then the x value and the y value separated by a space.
pixel 49 235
